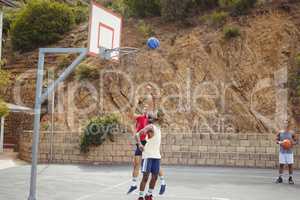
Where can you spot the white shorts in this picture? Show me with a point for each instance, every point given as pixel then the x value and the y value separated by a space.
pixel 286 158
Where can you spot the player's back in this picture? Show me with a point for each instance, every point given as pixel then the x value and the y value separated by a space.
pixel 152 148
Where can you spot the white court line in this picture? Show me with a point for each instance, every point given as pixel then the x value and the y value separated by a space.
pixel 106 189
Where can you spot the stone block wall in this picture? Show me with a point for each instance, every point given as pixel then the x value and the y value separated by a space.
pixel 197 149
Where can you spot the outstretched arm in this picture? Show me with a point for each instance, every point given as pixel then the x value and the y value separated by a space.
pixel 138 134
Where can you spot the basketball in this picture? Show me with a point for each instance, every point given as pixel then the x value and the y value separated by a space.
pixel 153 43
pixel 287 144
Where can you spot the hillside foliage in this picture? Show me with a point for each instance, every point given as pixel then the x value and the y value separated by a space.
pixel 178 10
pixel 40 23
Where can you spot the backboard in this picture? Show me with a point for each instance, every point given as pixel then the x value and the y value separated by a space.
pixel 104 30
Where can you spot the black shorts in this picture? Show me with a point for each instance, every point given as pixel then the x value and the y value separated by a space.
pixel 138 152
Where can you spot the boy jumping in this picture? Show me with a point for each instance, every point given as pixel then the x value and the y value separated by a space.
pixel 142 122
pixel 151 157
pixel 286 156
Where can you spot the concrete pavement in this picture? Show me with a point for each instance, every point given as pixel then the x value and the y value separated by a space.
pixel 80 182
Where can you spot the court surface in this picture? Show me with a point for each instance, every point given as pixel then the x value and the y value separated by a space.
pixel 82 182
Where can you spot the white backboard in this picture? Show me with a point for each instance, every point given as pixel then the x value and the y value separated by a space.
pixel 104 30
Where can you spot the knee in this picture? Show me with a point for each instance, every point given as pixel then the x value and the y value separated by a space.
pixel 145 177
pixel 155 177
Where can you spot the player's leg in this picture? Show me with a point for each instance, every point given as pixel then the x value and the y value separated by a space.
pixel 143 185
pixel 146 170
pixel 155 168
pixel 281 167
pixel 152 184
pixel 290 159
pixel 136 169
pixel 163 184
pixel 279 179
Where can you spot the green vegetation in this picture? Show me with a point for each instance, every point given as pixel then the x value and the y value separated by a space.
pixel 238 7
pixel 231 32
pixel 206 4
pixel 138 8
pixel 81 14
pixel 217 18
pixel 175 10
pixel 40 23
pixel 294 84
pixel 143 8
pixel 97 131
pixel 4 79
pixel 145 29
pixel 8 18
pixel 294 78
pixel 85 71
pixel 64 62
pixel 3 109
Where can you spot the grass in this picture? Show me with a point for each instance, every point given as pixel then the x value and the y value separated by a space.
pixel 231 32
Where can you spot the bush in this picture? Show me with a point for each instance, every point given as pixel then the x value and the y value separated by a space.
pixel 231 32
pixel 174 9
pixel 64 62
pixel 238 7
pixel 40 23
pixel 8 19
pixel 3 109
pixel 216 18
pixel 81 14
pixel 206 4
pixel 4 79
pixel 84 71
pixel 97 131
pixel 145 29
pixel 142 8
pixel 294 84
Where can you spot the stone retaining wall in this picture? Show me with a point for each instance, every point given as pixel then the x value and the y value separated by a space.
pixel 234 150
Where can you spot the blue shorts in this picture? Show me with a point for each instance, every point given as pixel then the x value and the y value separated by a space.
pixel 151 165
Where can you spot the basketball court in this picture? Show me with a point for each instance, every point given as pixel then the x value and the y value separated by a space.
pixel 81 182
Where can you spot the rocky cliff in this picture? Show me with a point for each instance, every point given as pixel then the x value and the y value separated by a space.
pixel 205 82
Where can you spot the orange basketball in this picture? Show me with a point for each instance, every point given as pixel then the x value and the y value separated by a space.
pixel 287 144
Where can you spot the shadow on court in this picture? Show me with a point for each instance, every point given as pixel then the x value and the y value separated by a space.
pixel 78 182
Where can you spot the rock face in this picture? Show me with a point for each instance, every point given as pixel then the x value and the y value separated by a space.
pixel 205 82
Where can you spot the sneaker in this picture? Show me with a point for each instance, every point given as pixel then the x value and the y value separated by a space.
pixel 141 198
pixel 162 189
pixel 131 189
pixel 291 181
pixel 150 197
pixel 279 180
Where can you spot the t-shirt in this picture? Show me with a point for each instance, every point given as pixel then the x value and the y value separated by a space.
pixel 152 147
pixel 141 122
pixel 283 136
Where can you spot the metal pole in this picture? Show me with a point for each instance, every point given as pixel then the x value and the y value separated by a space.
pixel 52 125
pixel 2 134
pixel 65 74
pixel 37 110
pixel 39 98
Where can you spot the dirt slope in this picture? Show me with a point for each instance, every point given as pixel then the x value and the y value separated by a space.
pixel 236 79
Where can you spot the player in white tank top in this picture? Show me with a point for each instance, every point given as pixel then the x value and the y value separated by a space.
pixel 152 147
pixel 151 158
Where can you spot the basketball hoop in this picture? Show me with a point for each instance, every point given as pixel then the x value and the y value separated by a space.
pixel 110 54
